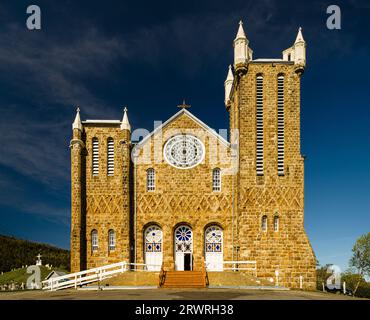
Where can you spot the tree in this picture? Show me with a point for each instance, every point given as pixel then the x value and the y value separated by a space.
pixel 361 258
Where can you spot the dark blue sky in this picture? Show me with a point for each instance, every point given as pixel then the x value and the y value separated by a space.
pixel 103 55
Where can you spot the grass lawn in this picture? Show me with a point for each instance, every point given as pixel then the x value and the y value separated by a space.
pixel 21 275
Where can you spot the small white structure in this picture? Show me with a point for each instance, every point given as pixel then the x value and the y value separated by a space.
pixel 54 274
pixel 38 261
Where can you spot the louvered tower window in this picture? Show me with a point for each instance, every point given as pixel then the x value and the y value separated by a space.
pixel 280 126
pixel 110 157
pixel 150 179
pixel 259 125
pixel 95 157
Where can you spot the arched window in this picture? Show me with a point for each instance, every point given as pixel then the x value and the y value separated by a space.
pixel 110 157
pixel 216 179
pixel 150 179
pixel 264 223
pixel 95 157
pixel 259 125
pixel 213 248
pixel 111 240
pixel 276 223
pixel 153 238
pixel 280 125
pixel 183 248
pixel 94 240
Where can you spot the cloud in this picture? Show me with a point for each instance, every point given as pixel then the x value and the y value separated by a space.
pixel 33 149
pixel 52 72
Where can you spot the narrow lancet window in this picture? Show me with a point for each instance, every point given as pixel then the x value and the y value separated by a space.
pixel 94 240
pixel 264 223
pixel 216 179
pixel 150 179
pixel 111 240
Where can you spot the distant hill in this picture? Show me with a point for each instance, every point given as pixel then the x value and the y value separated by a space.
pixel 15 253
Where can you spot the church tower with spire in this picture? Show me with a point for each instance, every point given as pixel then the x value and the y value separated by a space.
pixel 263 100
pixel 100 182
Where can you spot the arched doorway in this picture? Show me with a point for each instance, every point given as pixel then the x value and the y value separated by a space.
pixel 183 248
pixel 153 238
pixel 213 239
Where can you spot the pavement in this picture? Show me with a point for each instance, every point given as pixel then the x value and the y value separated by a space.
pixel 173 294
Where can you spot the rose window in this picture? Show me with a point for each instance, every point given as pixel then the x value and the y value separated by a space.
pixel 184 151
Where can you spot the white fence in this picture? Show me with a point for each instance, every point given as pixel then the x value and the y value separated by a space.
pixel 241 266
pixel 74 280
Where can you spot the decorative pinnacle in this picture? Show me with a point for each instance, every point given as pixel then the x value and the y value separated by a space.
pixel 240 33
pixel 230 76
pixel 77 124
pixel 125 124
pixel 299 36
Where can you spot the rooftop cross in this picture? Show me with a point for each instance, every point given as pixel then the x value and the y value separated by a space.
pixel 184 105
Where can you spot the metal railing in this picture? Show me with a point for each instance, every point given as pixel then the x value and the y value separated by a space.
pixel 241 266
pixel 78 279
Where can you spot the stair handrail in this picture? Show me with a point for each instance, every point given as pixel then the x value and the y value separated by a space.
pixel 162 275
pixel 204 271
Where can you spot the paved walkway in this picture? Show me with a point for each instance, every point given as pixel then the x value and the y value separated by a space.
pixel 171 294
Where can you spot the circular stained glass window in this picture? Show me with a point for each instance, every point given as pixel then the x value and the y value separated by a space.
pixel 184 151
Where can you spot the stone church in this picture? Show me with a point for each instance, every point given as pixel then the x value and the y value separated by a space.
pixel 186 195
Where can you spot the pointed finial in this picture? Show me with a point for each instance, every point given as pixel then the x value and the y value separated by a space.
pixel 77 124
pixel 241 33
pixel 230 75
pixel 299 36
pixel 125 124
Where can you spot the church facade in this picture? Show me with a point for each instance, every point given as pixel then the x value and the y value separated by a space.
pixel 186 195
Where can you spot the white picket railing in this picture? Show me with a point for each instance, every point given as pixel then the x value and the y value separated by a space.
pixel 241 266
pixel 74 280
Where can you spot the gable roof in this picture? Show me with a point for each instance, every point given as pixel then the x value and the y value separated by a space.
pixel 55 273
pixel 191 116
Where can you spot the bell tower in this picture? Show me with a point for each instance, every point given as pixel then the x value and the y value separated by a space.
pixel 263 100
